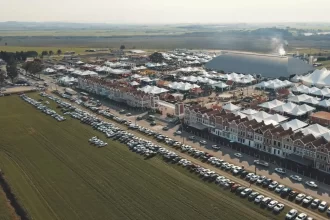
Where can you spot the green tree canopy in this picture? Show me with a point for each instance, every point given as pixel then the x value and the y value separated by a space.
pixel 12 71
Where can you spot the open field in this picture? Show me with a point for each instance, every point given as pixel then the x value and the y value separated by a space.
pixel 56 174
pixel 78 50
pixel 6 211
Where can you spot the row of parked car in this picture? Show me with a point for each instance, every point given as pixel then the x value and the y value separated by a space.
pixel 40 106
pixel 149 149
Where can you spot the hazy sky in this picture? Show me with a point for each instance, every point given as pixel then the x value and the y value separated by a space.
pixel 167 11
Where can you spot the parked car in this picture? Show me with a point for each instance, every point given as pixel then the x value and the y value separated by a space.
pixel 129 114
pixel 315 203
pixel 293 195
pixel 280 170
pixel 301 216
pixel 253 195
pixel 279 188
pixel 261 163
pixel 239 155
pixel 323 206
pixel 165 128
pixel 202 142
pixel 191 137
pixel 177 132
pixel 300 197
pixel 272 204
pixel 259 198
pixel 273 185
pixel 296 178
pixel 215 147
pixel 291 214
pixel 261 179
pixel 307 200
pixel 246 192
pixel 285 192
pixel 311 184
pixel 279 207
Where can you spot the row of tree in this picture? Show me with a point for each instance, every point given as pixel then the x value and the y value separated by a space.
pixel 50 53
pixel 18 56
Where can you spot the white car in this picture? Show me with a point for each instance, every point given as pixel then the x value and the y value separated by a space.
pixel 323 206
pixel 259 198
pixel 291 214
pixel 215 147
pixel 279 188
pixel 301 216
pixel 261 179
pixel 300 197
pixel 296 178
pixel 203 142
pixel 278 207
pixel 280 170
pixel 272 204
pixel 178 132
pixel 311 184
pixel 254 178
pixel 273 185
pixel 307 200
pixel 238 155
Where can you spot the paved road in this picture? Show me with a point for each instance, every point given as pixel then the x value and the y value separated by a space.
pixel 263 191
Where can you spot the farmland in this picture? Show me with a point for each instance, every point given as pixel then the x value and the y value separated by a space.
pixel 56 174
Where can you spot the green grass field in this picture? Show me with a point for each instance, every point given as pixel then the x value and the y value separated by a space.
pixel 6 211
pixel 78 50
pixel 56 174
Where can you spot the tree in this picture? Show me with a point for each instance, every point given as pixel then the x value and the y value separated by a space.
pixel 156 57
pixel 59 52
pixel 122 47
pixel 2 76
pixel 50 53
pixel 36 67
pixel 44 53
pixel 12 71
pixel 26 66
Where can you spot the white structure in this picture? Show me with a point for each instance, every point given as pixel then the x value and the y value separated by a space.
pixel 153 90
pixel 319 78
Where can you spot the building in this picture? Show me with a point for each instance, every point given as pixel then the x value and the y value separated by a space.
pixel 267 65
pixel 321 117
pixel 116 91
pixel 288 140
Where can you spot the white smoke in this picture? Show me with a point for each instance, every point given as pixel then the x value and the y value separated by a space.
pixel 278 44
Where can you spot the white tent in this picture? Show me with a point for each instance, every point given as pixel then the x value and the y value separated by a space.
pixel 220 85
pixel 316 130
pixel 231 107
pixel 306 108
pixel 153 90
pixel 294 124
pixel 320 92
pixel 182 86
pixel 299 98
pixel 313 101
pixel 278 118
pixel 297 111
pixel 134 83
pixel 271 104
pixel 319 78
pixel 249 111
pixel 325 103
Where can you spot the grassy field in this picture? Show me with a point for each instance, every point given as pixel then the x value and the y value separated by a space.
pixel 78 50
pixel 6 211
pixel 56 174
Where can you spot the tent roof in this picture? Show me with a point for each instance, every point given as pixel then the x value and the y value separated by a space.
pixel 249 111
pixel 324 103
pixel 294 124
pixel 230 107
pixel 316 130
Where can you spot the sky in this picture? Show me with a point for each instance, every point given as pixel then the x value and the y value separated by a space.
pixel 167 11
